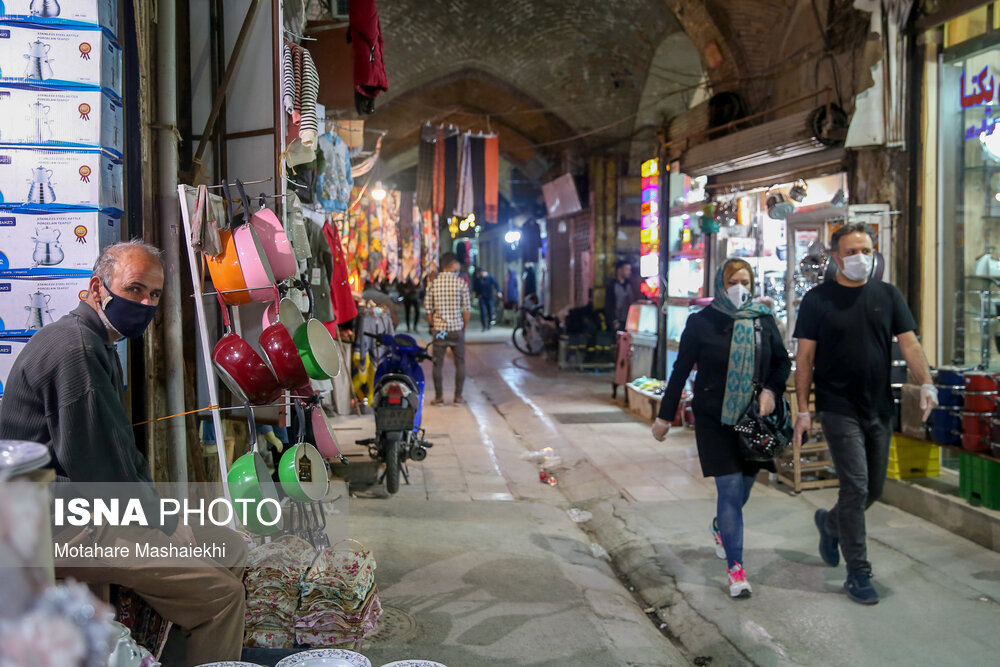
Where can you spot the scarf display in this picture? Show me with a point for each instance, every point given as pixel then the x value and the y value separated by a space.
pixel 742 351
pixel 429 243
pixel 478 148
pixel 491 164
pixel 438 204
pixel 425 169
pixel 464 205
pixel 450 174
pixel 390 235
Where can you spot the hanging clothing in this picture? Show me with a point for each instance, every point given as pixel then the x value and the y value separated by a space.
pixel 464 204
pixel 376 244
pixel 344 307
pixel 295 229
pixel 478 177
pixel 450 174
pixel 438 205
pixel 308 129
pixel 406 237
pixel 531 242
pixel 390 234
pixel 511 298
pixel 425 168
pixel 429 243
pixel 319 267
pixel 288 78
pixel 365 36
pixel 530 284
pixel 491 166
pixel 333 187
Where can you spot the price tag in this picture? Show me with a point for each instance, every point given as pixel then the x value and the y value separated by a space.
pixel 317 276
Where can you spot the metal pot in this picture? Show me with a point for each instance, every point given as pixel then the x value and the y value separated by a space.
pixel 47 250
pixel 980 401
pixel 241 368
pixel 44 8
pixel 951 375
pixel 281 354
pixel 249 480
pixel 39 64
pixel 272 237
pixel 40 187
pixel 975 423
pixel 779 208
pixel 798 191
pixel 302 470
pixel 326 442
pixel 973 442
pixel 980 382
pixel 950 396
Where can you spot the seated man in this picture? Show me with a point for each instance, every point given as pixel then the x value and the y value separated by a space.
pixel 65 391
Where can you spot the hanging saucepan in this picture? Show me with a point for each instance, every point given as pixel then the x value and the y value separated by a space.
pixel 281 354
pixel 302 470
pixel 227 276
pixel 272 236
pixel 316 347
pixel 253 260
pixel 326 442
pixel 241 368
pixel 778 208
pixel 798 191
pixel 249 480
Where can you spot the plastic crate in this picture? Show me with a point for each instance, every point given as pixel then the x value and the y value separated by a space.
pixel 913 458
pixel 979 480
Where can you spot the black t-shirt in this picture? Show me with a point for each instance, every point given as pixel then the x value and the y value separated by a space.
pixel 853 329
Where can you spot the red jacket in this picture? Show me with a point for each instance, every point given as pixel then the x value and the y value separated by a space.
pixel 365 34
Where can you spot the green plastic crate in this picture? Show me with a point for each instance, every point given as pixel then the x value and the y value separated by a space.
pixel 979 480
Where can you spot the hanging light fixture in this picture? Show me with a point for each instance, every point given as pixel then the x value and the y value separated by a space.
pixel 378 192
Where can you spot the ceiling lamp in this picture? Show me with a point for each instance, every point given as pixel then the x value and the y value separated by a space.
pixel 378 193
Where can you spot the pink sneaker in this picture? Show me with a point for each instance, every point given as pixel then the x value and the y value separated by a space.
pixel 739 587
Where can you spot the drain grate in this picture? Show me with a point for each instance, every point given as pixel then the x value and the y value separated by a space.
pixel 394 625
pixel 616 417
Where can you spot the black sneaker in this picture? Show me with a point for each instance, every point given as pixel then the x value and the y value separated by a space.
pixel 859 588
pixel 829 549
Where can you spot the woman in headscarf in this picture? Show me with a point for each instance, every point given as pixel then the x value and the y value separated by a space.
pixel 721 340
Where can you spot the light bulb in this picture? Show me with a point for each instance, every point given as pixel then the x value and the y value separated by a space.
pixel 378 193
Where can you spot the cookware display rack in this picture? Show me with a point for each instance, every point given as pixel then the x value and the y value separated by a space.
pixel 987 288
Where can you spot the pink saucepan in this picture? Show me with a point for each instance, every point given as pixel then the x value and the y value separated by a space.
pixel 272 237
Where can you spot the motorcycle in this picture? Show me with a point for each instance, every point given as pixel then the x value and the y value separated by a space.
pixel 398 399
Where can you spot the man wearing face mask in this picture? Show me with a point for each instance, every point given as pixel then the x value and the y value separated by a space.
pixel 65 391
pixel 844 329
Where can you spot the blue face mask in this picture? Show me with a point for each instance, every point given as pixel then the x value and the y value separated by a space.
pixel 129 318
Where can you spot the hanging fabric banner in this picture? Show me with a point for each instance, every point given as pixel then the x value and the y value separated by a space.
pixel 492 185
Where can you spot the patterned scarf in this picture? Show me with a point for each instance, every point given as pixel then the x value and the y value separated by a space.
pixel 742 352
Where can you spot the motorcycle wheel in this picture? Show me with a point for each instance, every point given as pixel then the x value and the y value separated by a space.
pixel 527 343
pixel 392 466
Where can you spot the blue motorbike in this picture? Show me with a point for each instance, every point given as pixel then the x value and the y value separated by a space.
pixel 398 404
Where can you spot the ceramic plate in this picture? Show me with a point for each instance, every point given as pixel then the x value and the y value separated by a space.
pixel 325 657
pixel 230 664
pixel 414 663
pixel 19 456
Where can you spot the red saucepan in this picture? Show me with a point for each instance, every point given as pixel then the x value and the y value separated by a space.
pixel 272 237
pixel 995 431
pixel 980 382
pixel 976 423
pixel 281 354
pixel 980 401
pixel 973 442
pixel 241 368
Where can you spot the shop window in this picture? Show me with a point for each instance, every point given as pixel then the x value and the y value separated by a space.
pixel 969 26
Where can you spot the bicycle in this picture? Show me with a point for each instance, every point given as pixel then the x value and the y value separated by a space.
pixel 534 330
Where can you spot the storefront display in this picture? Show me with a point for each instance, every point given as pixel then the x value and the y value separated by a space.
pixel 68 179
pixel 43 242
pixel 58 118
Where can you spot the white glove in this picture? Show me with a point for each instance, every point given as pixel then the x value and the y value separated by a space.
pixel 660 429
pixel 928 399
pixel 802 425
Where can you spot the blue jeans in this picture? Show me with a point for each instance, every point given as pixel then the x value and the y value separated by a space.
pixel 734 492
pixel 486 311
pixel 860 451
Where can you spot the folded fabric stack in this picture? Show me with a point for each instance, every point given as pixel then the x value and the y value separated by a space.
pixel 340 602
pixel 272 577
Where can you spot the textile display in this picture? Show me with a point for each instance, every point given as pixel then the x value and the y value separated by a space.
pixel 344 308
pixel 464 205
pixel 299 91
pixel 308 128
pixel 429 243
pixel 491 165
pixel 438 203
pixel 333 187
pixel 389 215
pixel 450 174
pixel 408 238
pixel 425 168
pixel 376 244
pixel 478 151
pixel 272 579
pixel 319 267
pixel 365 36
pixel 340 601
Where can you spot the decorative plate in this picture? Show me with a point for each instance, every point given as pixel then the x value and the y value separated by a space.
pixel 18 456
pixel 325 657
pixel 414 663
pixel 230 664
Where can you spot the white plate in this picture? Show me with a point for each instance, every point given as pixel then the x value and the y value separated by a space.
pixel 414 663
pixel 230 664
pixel 18 456
pixel 325 657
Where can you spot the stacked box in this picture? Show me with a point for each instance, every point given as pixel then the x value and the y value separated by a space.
pixel 39 115
pixel 910 458
pixel 60 57
pixel 9 349
pixel 979 480
pixel 40 242
pixel 28 303
pixel 60 179
pixel 63 13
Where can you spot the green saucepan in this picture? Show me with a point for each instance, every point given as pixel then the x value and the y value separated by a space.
pixel 303 473
pixel 249 480
pixel 317 349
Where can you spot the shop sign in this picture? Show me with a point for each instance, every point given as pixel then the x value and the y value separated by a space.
pixel 979 92
pixel 649 251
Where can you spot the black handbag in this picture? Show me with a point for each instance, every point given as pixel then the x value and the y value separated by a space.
pixel 764 438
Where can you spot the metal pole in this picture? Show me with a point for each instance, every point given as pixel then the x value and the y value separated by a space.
pixel 660 368
pixel 170 304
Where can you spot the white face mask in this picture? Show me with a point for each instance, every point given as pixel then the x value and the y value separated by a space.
pixel 738 294
pixel 858 267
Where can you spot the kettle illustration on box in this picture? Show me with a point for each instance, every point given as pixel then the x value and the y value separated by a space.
pixel 48 252
pixel 41 191
pixel 39 64
pixel 44 8
pixel 40 130
pixel 39 313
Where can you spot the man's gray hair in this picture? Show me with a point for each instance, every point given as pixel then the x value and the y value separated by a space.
pixel 104 267
pixel 851 228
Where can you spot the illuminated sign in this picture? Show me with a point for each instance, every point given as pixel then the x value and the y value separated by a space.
pixel 649 260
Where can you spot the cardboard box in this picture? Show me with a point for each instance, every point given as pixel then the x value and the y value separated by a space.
pixel 28 303
pixel 59 179
pixel 352 132
pixel 46 243
pixel 42 116
pixel 9 349
pixel 60 57
pixel 64 13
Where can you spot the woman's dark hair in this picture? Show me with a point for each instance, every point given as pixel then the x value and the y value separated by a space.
pixel 850 228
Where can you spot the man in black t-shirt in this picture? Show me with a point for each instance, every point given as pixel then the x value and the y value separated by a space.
pixel 844 329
